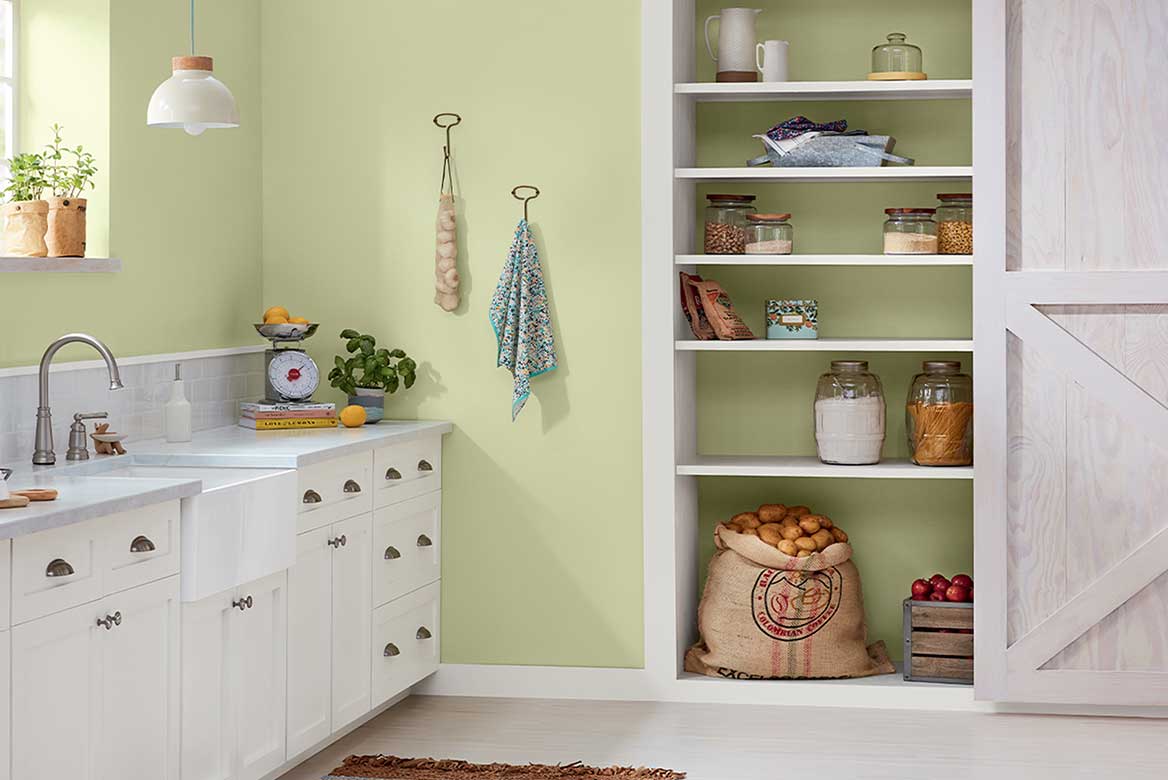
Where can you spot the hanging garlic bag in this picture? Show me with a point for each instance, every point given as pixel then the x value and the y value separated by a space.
pixel 446 279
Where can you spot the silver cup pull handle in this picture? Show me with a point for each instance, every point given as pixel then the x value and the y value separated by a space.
pixel 391 553
pixel 424 466
pixel 392 474
pixel 351 486
pixel 424 541
pixel 390 650
pixel 59 567
pixel 142 544
pixel 423 633
pixel 311 497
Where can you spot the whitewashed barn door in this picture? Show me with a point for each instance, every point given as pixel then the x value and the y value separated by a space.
pixel 1072 352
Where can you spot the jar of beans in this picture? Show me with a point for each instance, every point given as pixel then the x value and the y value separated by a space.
pixel 910 232
pixel 955 223
pixel 769 234
pixel 726 223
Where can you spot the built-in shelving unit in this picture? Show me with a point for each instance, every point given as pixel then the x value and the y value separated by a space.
pixel 673 175
pixel 60 265
pixel 824 91
pixel 827 260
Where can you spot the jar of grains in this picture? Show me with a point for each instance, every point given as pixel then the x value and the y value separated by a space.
pixel 939 415
pixel 955 223
pixel 849 414
pixel 769 234
pixel 910 232
pixel 726 223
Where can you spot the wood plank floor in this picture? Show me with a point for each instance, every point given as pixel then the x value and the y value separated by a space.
pixel 726 742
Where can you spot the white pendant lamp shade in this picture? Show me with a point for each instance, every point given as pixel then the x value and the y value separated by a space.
pixel 192 99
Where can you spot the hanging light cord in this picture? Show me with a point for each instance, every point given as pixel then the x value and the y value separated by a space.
pixel 192 28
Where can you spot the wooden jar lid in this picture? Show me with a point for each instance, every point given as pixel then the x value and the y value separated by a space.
pixel 191 62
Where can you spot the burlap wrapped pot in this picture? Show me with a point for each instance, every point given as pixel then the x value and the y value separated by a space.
pixel 25 225
pixel 65 236
pixel 764 614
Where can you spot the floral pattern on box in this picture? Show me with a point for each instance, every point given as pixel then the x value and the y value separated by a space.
pixel 792 319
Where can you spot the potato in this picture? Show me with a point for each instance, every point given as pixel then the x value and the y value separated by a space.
pixel 822 538
pixel 798 511
pixel 825 522
pixel 746 520
pixel 839 534
pixel 789 520
pixel 791 532
pixel 788 547
pixel 771 513
pixel 750 532
pixel 771 533
pixel 805 543
pixel 809 525
pixel 804 554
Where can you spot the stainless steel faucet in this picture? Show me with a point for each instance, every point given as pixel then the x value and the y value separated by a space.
pixel 43 455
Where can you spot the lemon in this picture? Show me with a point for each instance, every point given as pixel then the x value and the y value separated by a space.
pixel 297 320
pixel 275 311
pixel 275 319
pixel 353 416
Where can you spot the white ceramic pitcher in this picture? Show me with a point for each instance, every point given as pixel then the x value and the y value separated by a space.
pixel 736 42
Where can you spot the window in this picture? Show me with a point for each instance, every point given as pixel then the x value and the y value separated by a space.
pixel 7 86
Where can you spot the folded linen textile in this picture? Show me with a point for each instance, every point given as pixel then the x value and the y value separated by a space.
pixel 521 319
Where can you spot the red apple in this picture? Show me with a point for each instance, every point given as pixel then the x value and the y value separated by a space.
pixel 935 577
pixel 971 595
pixel 956 593
pixel 964 580
pixel 921 589
pixel 937 595
pixel 941 585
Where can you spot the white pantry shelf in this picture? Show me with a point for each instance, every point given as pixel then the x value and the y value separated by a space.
pixel 843 175
pixel 827 260
pixel 60 265
pixel 941 89
pixel 809 466
pixel 827 345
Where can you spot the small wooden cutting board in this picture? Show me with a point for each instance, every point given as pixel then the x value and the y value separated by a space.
pixel 38 494
pixel 14 502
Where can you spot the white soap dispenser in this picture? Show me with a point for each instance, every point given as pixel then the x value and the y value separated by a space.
pixel 177 416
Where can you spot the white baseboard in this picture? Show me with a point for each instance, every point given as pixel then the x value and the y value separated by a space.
pixel 538 682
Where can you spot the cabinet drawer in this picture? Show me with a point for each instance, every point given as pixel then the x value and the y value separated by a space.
pixel 54 570
pixel 140 546
pixel 334 490
pixel 404 471
pixel 405 642
pixel 406 546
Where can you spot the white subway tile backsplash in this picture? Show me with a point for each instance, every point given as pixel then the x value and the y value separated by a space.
pixel 215 387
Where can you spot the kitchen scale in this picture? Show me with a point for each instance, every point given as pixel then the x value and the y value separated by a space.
pixel 290 375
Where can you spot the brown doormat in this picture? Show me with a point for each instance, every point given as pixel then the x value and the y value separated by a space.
pixel 394 768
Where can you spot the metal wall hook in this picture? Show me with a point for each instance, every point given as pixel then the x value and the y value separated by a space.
pixel 515 194
pixel 446 172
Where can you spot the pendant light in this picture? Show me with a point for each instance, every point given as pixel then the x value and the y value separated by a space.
pixel 192 98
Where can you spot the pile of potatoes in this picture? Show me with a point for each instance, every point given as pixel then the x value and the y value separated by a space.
pixel 793 530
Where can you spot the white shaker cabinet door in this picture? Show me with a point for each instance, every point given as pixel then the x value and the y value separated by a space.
pixel 136 729
pixel 352 595
pixel 208 710
pixel 310 642
pixel 259 653
pixel 56 666
pixel 5 705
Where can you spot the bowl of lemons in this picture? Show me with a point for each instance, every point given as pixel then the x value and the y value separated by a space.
pixel 279 325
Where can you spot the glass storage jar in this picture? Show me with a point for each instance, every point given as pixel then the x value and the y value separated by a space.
pixel 939 415
pixel 897 57
pixel 726 223
pixel 955 223
pixel 910 232
pixel 849 414
pixel 769 234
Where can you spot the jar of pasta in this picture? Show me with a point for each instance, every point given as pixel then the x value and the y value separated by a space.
pixel 954 220
pixel 939 415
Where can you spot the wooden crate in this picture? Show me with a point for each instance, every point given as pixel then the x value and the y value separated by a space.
pixel 938 642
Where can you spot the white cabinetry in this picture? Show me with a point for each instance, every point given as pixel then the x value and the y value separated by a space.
pixel 233 682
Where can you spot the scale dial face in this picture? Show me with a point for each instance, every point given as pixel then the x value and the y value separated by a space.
pixel 293 374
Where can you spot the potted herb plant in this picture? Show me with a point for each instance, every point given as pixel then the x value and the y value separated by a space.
pixel 70 173
pixel 369 373
pixel 25 214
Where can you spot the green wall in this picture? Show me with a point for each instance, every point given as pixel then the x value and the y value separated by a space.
pixel 541 517
pixel 182 213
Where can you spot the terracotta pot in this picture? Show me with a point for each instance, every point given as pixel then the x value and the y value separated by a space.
pixel 66 230
pixel 25 225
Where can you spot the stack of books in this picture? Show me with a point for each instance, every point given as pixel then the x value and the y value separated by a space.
pixel 266 416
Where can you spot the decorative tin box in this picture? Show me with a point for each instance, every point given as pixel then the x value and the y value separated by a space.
pixel 792 319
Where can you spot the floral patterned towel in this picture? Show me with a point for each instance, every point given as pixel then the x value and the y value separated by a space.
pixel 520 317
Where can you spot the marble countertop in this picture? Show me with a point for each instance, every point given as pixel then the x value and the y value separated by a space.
pixel 85 493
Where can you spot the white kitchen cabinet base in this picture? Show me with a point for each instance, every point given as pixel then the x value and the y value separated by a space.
pixel 405 641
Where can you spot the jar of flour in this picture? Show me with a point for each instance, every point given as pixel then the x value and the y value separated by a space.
pixel 849 414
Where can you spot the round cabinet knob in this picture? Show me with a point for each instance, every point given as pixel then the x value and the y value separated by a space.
pixel 424 466
pixel 59 567
pixel 390 650
pixel 424 541
pixel 391 553
pixel 339 542
pixel 392 474
pixel 423 633
pixel 243 603
pixel 311 497
pixel 351 486
pixel 109 621
pixel 141 544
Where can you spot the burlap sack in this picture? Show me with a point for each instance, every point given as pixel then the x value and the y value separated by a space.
pixel 65 236
pixel 765 614
pixel 25 224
